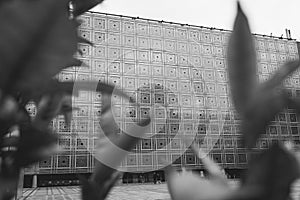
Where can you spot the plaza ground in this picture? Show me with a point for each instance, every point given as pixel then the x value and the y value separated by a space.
pixel 122 192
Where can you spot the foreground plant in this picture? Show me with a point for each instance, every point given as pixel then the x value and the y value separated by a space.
pixel 271 174
pixel 256 103
pixel 111 150
pixel 38 40
pixel 269 177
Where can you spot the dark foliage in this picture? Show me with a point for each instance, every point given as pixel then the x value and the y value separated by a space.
pixel 256 103
pixel 38 39
pixel 272 173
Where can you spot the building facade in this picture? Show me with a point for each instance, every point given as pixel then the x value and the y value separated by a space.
pixel 176 71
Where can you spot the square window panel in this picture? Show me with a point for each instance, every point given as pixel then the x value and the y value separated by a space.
pixel 114 25
pixel 242 158
pixel 142 29
pixel 81 161
pixel 170 45
pixel 144 70
pixel 169 32
pixel 114 39
pixel 46 163
pixel 217 158
pixel 147 160
pixel 143 42
pixel 128 27
pixel 190 159
pixel 229 158
pixel 177 159
pixel 129 41
pixel 63 161
pixel 99 23
pixel 131 160
pixel 129 69
pixel 156 44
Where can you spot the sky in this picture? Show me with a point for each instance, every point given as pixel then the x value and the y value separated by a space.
pixel 265 16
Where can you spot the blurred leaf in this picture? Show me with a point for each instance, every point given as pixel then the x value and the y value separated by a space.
pixel 113 147
pixel 82 6
pixel 74 63
pixel 37 40
pixel 277 79
pixel 34 145
pixel 99 87
pixel 66 108
pixel 8 108
pixel 3 1
pixel 192 187
pixel 257 104
pixel 273 171
pixel 89 191
pixel 4 128
pixel 269 178
pixel 260 111
pixel 47 109
pixel 267 101
pixel 10 114
pixel 10 141
pixel 241 62
pixel 294 103
pixel 8 186
pixel 213 168
pixel 107 121
pixel 94 191
pixel 85 41
pixel 112 150
pixel 52 105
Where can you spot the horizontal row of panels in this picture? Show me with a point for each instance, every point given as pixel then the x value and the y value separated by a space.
pixel 210 83
pixel 115 66
pixel 128 113
pixel 85 161
pixel 185 128
pixel 209 118
pixel 195 64
pixel 155 56
pixel 169 56
pixel 143 27
pixel 170 99
pixel 154 161
pixel 86 110
pixel 115 39
pixel 169 144
pixel 132 26
pixel 160 75
pixel 212 65
pixel 196 69
pixel 143 42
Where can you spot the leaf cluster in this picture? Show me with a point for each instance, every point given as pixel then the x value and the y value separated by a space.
pixel 272 173
pixel 38 40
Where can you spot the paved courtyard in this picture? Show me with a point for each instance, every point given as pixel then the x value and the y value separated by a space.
pixel 123 192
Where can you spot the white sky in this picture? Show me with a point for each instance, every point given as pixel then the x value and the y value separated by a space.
pixel 265 16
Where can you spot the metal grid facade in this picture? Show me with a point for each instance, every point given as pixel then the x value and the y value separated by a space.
pixel 180 70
